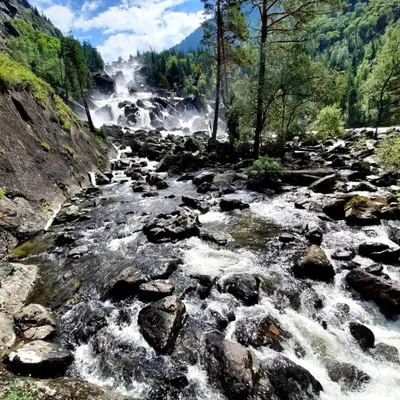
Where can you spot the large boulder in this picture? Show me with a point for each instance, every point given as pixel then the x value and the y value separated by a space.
pixel 291 381
pixel 386 294
pixel 259 331
pixel 362 211
pixel 39 359
pixel 104 84
pixel 105 113
pixel 363 335
pixel 203 178
pixel 232 204
pixel 180 225
pixel 155 290
pixel 314 264
pixel 324 185
pixel 196 204
pixel 160 323
pixel 233 368
pixel 7 334
pixel 349 377
pixel 244 287
pixel 127 283
pixel 32 316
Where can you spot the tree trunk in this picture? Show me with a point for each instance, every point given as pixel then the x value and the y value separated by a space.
pixel 261 81
pixel 85 104
pixel 219 72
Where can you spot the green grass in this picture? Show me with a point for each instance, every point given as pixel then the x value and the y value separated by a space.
pixel 19 394
pixel 68 149
pixel 64 115
pixel 17 76
pixel 45 146
pixel 2 192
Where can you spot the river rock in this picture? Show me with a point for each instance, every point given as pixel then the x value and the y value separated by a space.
pixel 260 331
pixel 291 381
pixel 345 254
pixel 347 375
pixel 39 359
pixel 364 336
pixel 393 229
pixel 244 287
pixel 155 290
pixel 335 208
pixel 314 235
pixel 314 264
pixel 39 333
pixel 77 252
pixel 204 177
pixel 33 316
pixel 179 226
pixel 7 334
pixel 196 204
pixel 152 178
pixel 386 353
pixel 324 185
pixel 232 367
pixel 232 204
pixel 379 252
pixel 385 294
pixel 362 211
pixel 127 283
pixel 160 323
pixel 105 113
pixel 365 187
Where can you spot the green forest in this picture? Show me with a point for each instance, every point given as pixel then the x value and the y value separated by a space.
pixel 289 67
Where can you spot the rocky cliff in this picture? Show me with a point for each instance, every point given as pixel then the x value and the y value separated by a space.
pixel 42 163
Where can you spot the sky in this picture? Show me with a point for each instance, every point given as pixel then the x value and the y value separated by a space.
pixel 121 27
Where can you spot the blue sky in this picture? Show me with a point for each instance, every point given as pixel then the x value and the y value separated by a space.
pixel 121 27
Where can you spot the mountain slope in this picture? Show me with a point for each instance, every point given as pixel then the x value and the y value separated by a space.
pixel 192 42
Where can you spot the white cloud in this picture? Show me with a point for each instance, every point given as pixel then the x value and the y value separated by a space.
pixel 130 26
pixel 61 16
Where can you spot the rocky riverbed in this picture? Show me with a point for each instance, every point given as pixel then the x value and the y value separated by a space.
pixel 172 279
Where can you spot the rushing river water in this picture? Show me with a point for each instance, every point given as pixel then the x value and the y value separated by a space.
pixel 117 356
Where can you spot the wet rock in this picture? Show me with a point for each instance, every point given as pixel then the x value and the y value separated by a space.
pixel 375 269
pixel 335 209
pixel 127 283
pixel 232 204
pixel 65 239
pixel 101 179
pixel 379 252
pixel 39 359
pixel 347 375
pixel 40 333
pixel 33 316
pixel 84 321
pixel 193 145
pixel 291 381
pixel 105 113
pixel 161 322
pixel 260 331
pixel 155 290
pixel 162 185
pixel 183 225
pixel 393 229
pixel 345 254
pixel 244 287
pixel 231 367
pixel 314 264
pixel 314 235
pixel 367 248
pixel 167 162
pixel 77 252
pixel 365 187
pixel 324 185
pixel 196 204
pixel 386 353
pixel 286 238
pixel 204 177
pixel 7 334
pixel 362 211
pixel 364 336
pixel 220 238
pixel 384 293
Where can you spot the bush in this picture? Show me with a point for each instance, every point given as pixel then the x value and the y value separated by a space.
pixel 264 167
pixel 329 123
pixel 45 146
pixel 389 154
pixel 64 115
pixel 17 76
pixel 2 192
pixel 68 149
pixel 19 394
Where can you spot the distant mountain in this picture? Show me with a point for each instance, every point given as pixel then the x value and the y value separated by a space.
pixel 192 42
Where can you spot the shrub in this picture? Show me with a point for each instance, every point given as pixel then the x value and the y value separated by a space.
pixel 64 115
pixel 329 123
pixel 19 394
pixel 45 146
pixel 18 76
pixel 264 167
pixel 2 192
pixel 68 149
pixel 389 154
pixel 361 144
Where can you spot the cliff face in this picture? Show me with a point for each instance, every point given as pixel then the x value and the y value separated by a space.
pixel 41 164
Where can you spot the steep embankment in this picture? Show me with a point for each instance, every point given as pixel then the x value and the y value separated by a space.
pixel 45 154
